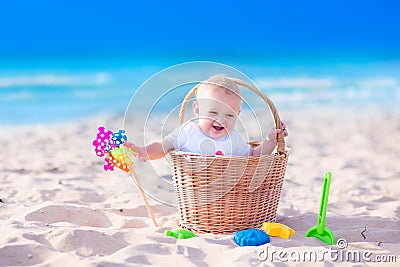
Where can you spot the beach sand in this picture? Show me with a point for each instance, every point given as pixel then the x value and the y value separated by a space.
pixel 59 208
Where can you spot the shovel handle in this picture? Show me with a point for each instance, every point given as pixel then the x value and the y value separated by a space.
pixel 324 203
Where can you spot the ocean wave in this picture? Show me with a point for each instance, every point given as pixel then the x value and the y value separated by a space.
pixel 100 78
pixel 379 82
pixel 18 96
pixel 301 82
pixel 305 83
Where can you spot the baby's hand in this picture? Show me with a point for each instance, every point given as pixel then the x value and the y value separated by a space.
pixel 273 133
pixel 140 151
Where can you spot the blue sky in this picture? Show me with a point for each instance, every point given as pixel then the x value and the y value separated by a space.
pixel 208 27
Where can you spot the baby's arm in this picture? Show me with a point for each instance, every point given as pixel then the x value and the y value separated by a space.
pixel 154 150
pixel 269 143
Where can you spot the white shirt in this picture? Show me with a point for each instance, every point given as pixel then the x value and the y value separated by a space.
pixel 190 138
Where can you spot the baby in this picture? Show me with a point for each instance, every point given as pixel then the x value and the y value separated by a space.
pixel 216 108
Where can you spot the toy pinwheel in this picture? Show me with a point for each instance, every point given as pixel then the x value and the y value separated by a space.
pixel 108 145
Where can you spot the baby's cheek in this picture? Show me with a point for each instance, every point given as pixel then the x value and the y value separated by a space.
pixel 232 122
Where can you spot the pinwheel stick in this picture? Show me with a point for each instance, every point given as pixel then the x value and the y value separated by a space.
pixel 132 169
pixel 149 210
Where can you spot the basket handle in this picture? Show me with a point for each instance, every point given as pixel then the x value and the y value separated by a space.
pixel 277 120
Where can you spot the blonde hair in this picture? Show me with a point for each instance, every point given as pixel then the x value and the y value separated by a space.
pixel 222 82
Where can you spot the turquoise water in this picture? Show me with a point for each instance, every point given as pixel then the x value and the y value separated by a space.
pixel 59 62
pixel 59 89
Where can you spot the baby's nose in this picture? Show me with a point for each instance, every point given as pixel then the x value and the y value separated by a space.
pixel 220 119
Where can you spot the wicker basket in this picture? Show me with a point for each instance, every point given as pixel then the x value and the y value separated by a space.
pixel 221 194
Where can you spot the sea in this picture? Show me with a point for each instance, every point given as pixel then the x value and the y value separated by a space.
pixel 57 89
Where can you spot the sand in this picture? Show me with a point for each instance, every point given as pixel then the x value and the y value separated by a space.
pixel 59 208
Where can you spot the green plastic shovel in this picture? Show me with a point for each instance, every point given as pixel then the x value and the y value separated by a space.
pixel 320 231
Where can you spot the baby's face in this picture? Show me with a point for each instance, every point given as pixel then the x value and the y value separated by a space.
pixel 217 112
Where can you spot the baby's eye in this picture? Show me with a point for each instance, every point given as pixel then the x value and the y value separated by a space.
pixel 230 115
pixel 212 113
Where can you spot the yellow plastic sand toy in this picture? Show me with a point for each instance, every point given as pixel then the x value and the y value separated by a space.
pixel 277 229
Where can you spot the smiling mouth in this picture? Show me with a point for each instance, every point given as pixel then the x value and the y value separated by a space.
pixel 218 128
